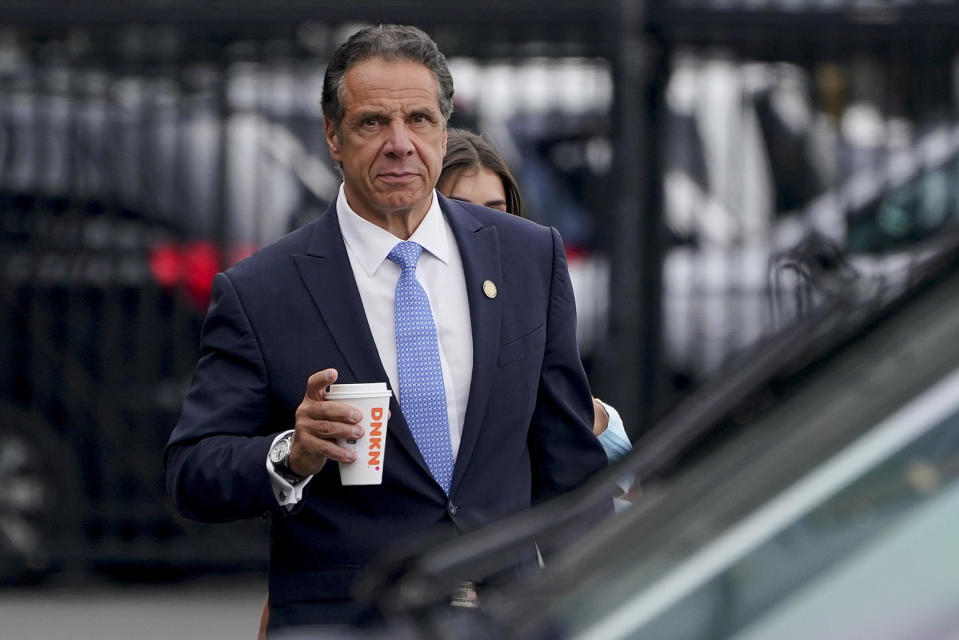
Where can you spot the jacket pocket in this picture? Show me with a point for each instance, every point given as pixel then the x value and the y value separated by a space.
pixel 520 347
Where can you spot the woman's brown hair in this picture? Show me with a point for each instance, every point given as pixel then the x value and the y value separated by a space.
pixel 468 151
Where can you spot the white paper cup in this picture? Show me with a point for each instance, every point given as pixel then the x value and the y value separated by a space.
pixel 373 399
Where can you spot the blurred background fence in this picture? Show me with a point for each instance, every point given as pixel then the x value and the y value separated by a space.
pixel 715 168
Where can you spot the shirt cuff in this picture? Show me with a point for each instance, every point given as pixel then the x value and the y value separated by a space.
pixel 286 494
pixel 614 439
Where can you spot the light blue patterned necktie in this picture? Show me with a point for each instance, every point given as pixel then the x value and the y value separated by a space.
pixel 422 394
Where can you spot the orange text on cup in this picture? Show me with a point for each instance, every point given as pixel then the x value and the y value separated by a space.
pixel 376 437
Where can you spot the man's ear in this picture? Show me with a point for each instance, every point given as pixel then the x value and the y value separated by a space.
pixel 332 141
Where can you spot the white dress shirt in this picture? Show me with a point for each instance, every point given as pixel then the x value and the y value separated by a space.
pixel 440 272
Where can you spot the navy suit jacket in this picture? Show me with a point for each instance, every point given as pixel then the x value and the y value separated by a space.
pixel 292 309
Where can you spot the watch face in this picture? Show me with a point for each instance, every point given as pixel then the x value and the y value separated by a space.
pixel 280 450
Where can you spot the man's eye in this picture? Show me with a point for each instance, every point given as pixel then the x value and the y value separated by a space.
pixel 371 123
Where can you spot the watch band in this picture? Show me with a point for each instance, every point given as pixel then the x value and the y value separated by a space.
pixel 288 474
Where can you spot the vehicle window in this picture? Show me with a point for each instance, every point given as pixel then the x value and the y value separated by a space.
pixel 743 583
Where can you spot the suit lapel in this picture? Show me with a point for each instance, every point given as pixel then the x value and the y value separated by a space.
pixel 479 250
pixel 328 276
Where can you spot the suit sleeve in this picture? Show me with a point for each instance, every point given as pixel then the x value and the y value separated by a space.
pixel 216 456
pixel 563 449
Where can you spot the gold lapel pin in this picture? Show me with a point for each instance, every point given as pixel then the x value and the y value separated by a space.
pixel 489 289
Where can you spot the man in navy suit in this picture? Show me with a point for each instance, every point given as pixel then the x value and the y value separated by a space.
pixel 257 435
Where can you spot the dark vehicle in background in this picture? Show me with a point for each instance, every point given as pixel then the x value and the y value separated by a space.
pixel 101 309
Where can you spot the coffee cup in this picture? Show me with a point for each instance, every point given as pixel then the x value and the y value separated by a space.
pixel 373 400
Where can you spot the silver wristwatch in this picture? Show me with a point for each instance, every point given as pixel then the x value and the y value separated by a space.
pixel 280 455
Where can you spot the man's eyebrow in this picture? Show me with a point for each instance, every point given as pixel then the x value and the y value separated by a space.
pixel 424 111
pixel 371 113
pixel 492 203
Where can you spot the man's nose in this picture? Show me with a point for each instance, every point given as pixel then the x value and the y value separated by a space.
pixel 398 142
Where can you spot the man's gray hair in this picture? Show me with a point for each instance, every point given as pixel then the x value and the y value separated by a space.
pixel 391 42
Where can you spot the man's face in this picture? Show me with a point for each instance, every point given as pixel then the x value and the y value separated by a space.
pixel 391 141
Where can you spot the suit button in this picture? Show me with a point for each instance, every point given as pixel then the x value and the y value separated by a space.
pixel 451 508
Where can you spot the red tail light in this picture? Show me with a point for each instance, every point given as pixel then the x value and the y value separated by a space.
pixel 201 261
pixel 165 265
pixel 575 253
pixel 190 266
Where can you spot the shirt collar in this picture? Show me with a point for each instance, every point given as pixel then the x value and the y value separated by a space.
pixel 371 244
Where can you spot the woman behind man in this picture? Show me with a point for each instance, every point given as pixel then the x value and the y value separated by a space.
pixel 473 171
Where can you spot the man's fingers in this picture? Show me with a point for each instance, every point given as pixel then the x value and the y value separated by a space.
pixel 330 428
pixel 327 411
pixel 319 423
pixel 315 448
pixel 318 382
